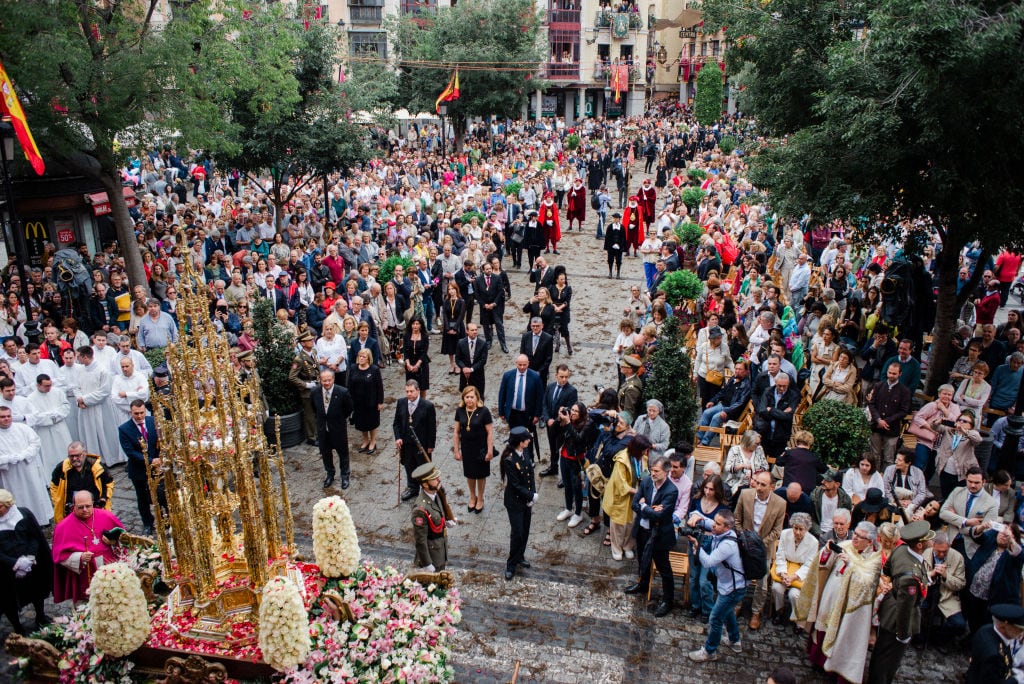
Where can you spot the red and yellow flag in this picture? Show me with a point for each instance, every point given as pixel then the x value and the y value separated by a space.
pixel 451 92
pixel 11 107
pixel 620 79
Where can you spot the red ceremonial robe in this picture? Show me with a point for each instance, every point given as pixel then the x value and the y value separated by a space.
pixel 648 195
pixel 71 538
pixel 577 209
pixel 633 223
pixel 547 219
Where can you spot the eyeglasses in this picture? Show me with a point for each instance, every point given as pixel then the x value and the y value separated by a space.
pixel 864 537
pixel 965 420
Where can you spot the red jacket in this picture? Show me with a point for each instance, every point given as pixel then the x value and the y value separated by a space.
pixel 986 307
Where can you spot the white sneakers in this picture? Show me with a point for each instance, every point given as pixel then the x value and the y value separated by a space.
pixel 736 647
pixel 630 555
pixel 616 555
pixel 575 520
pixel 564 515
pixel 701 656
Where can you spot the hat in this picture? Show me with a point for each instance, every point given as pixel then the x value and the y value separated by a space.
pixel 331 285
pixel 629 360
pixel 518 434
pixel 634 198
pixel 616 215
pixel 916 532
pixel 1008 612
pixel 548 194
pixel 626 417
pixel 874 501
pixel 161 371
pixel 247 354
pixel 831 476
pixel 427 471
pixel 714 331
pixel 306 336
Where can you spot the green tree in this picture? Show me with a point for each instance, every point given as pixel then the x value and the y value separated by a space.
pixel 100 81
pixel 707 102
pixel 321 128
pixel 669 382
pixel 498 43
pixel 880 142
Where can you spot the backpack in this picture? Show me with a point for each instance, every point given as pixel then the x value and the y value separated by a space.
pixel 595 203
pixel 752 553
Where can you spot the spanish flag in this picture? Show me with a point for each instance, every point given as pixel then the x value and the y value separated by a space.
pixel 11 107
pixel 451 92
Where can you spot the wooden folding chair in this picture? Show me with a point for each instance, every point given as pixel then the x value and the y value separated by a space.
pixel 680 563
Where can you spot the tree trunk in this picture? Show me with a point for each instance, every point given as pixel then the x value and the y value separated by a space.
pixel 459 128
pixel 946 313
pixel 126 240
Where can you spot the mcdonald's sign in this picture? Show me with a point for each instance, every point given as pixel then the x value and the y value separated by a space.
pixel 35 230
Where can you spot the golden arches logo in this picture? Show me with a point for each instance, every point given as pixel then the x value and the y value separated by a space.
pixel 35 229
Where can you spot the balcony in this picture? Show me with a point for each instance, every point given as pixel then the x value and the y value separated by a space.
pixel 419 8
pixel 563 71
pixel 564 16
pixel 603 72
pixel 605 19
pixel 365 15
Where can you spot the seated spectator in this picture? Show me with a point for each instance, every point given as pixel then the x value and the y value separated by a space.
pixel 840 379
pixel 1006 382
pixel 924 425
pixel 947 571
pixel 728 403
pixel 910 368
pixel 875 508
pixel 973 392
pixel 857 481
pixel 742 461
pixel 800 464
pixel 826 500
pixel 796 501
pixel 793 557
pixel 903 475
pixel 842 528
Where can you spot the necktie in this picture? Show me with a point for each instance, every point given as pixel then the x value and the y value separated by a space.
pixel 558 390
pixel 142 430
pixel 536 339
pixel 488 281
pixel 412 409
pixel 520 383
pixel 970 502
pixel 327 398
pixel 472 347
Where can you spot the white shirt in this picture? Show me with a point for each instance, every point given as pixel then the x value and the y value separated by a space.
pixel 828 509
pixel 760 508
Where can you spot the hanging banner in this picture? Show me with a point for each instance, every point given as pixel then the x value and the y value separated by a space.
pixel 620 24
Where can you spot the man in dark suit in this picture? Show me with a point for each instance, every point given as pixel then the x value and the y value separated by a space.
pixel 218 241
pixel 558 396
pixel 654 503
pixel 542 275
pixel 471 360
pixel 490 294
pixel 888 402
pixel 521 397
pixel 269 291
pixel 466 280
pixel 774 420
pixel 332 406
pixel 415 426
pixel 539 347
pixel 131 434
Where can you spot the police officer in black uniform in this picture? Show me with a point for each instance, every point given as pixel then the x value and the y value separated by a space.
pixel 520 495
pixel 995 650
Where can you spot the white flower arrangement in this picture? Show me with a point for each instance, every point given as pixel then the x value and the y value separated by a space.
pixel 284 625
pixel 335 544
pixel 117 606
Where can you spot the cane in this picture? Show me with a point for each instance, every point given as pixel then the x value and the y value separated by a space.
pixel 399 480
pixel 88 566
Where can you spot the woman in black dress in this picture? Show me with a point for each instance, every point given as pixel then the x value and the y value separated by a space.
pixel 367 389
pixel 474 444
pixel 561 296
pixel 416 355
pixel 453 324
pixel 540 306
pixel 26 565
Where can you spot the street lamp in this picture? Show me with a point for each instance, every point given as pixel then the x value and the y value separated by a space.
pixel 13 222
pixel 442 109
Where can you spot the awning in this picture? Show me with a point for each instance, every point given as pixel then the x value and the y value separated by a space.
pixel 101 203
pixel 688 18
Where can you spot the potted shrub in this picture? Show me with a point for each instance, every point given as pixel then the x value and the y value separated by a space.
pixel 689 234
pixel 470 214
pixel 692 197
pixel 275 352
pixel 681 287
pixel 841 432
pixel 668 380
pixel 548 166
pixel 387 269
pixel 696 175
pixel 572 142
pixel 512 188
pixel 727 144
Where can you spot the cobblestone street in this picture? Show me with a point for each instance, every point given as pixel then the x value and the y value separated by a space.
pixel 565 620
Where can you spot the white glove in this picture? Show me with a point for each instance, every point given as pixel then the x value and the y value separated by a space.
pixel 451 523
pixel 22 566
pixel 310 385
pixel 428 568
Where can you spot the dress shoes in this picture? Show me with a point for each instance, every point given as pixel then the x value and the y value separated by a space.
pixel 504 349
pixel 509 574
pixel 408 494
pixel 344 482
pixel 754 623
pixel 548 473
pixel 663 609
pixel 328 481
pixel 635 588
pixel 524 564
pixel 147 531
pixel 312 442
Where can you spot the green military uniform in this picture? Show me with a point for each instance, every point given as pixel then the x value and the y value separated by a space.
pixel 306 370
pixel 899 615
pixel 429 525
pixel 632 388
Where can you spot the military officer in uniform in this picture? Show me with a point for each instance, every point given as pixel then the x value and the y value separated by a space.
pixel 996 651
pixel 429 525
pixel 520 495
pixel 305 375
pixel 899 615
pixel 631 388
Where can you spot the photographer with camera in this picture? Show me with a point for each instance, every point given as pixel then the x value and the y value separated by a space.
pixel 724 560
pixel 614 433
pixel 579 433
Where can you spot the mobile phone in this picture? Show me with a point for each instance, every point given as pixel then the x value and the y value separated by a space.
pixel 834 547
pixel 997 526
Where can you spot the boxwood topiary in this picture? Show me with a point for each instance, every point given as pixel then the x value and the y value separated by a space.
pixel 841 432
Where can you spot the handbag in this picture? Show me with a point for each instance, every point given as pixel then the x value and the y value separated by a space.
pixel 791 568
pixel 712 376
pixel 596 478
pixel 518 238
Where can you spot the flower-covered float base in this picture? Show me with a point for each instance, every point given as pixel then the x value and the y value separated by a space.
pixel 375 626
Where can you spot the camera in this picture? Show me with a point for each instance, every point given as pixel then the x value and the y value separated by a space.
pixel 598 388
pixel 685 530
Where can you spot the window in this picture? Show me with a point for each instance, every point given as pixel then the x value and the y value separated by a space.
pixel 369 44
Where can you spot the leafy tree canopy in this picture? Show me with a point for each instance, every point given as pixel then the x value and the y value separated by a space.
pixel 497 40
pixel 707 103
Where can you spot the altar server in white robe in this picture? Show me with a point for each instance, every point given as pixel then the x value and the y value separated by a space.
pixel 125 351
pixel 19 405
pixel 127 386
pixel 19 467
pixel 67 382
pixel 49 418
pixel 26 377
pixel 97 427
pixel 103 352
